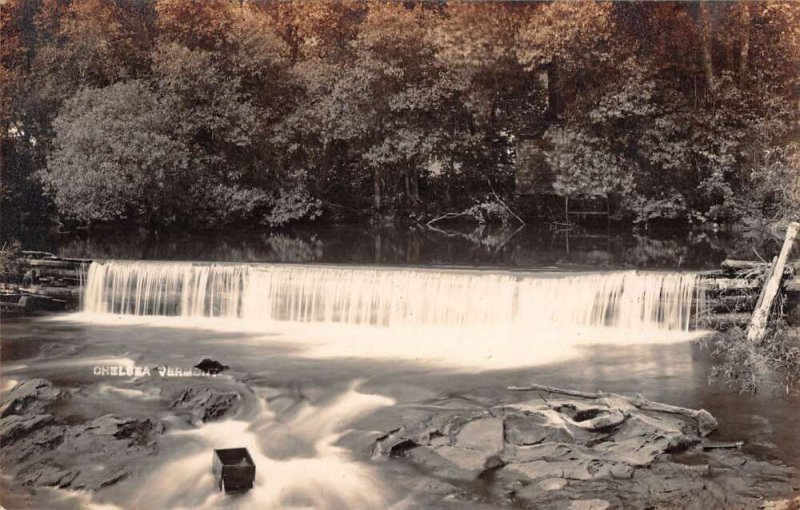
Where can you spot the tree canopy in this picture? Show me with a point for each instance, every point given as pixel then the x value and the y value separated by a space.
pixel 265 112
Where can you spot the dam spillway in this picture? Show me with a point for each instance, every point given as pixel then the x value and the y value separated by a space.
pixel 393 297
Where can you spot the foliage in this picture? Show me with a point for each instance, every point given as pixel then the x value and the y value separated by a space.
pixel 115 156
pixel 219 112
pixel 749 367
pixel 585 165
pixel 10 264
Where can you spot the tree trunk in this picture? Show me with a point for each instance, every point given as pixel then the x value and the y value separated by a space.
pixel 377 189
pixel 758 324
pixel 553 105
pixel 744 50
pixel 414 184
pixel 321 179
pixel 705 31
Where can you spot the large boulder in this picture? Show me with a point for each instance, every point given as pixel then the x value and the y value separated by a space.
pixel 206 404
pixel 90 455
pixel 31 397
pixel 41 451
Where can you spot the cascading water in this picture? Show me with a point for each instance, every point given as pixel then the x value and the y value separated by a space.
pixel 392 297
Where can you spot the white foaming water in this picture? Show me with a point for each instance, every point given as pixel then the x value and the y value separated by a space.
pixel 322 475
pixel 392 297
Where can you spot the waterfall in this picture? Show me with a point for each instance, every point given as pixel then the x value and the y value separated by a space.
pixel 392 297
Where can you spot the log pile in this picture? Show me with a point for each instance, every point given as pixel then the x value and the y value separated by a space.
pixel 744 293
pixel 44 283
pixel 731 293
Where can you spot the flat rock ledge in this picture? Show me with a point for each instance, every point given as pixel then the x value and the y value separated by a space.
pixel 40 450
pixel 578 451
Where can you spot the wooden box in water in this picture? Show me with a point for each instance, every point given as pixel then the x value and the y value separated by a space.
pixel 234 470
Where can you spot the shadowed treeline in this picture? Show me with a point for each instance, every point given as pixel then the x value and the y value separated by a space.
pixel 175 112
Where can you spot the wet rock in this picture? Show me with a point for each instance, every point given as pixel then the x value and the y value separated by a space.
pixel 537 469
pixel 15 427
pixel 211 366
pixel 31 397
pixel 782 504
pixel 47 474
pixel 90 455
pixel 589 504
pixel 552 484
pixel 207 404
pixel 484 435
pixel 450 463
pixel 706 423
pixel 589 452
pixel 527 429
pixel 473 461
pixel 40 451
pixel 118 432
pixel 94 479
pixel 392 445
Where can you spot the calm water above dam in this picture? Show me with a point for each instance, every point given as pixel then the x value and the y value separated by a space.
pixel 525 248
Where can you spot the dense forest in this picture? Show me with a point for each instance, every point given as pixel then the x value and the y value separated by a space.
pixel 218 112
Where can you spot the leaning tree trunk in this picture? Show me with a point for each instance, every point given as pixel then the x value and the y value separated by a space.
pixel 757 329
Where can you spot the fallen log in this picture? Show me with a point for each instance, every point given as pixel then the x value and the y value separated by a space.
pixel 63 264
pixel 731 303
pixel 32 254
pixel 705 421
pixel 58 272
pixel 724 321
pixel 757 328
pixel 742 265
pixel 717 445
pixel 66 293
pixel 718 284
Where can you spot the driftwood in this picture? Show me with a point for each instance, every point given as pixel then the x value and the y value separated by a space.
pixel 718 445
pixel 500 201
pixel 705 421
pixel 758 323
pixel 448 216
pixel 718 284
pixel 740 265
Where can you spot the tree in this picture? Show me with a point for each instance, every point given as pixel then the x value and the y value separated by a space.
pixel 115 158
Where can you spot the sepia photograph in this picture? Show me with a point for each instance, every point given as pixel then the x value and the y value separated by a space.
pixel 399 254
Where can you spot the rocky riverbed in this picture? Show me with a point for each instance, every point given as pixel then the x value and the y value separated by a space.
pixel 558 449
pixel 541 448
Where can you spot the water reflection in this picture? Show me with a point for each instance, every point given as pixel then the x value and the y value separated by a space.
pixel 498 247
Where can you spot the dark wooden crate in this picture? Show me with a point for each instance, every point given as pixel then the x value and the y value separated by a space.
pixel 234 470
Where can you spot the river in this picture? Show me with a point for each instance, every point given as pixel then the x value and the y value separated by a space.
pixel 355 329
